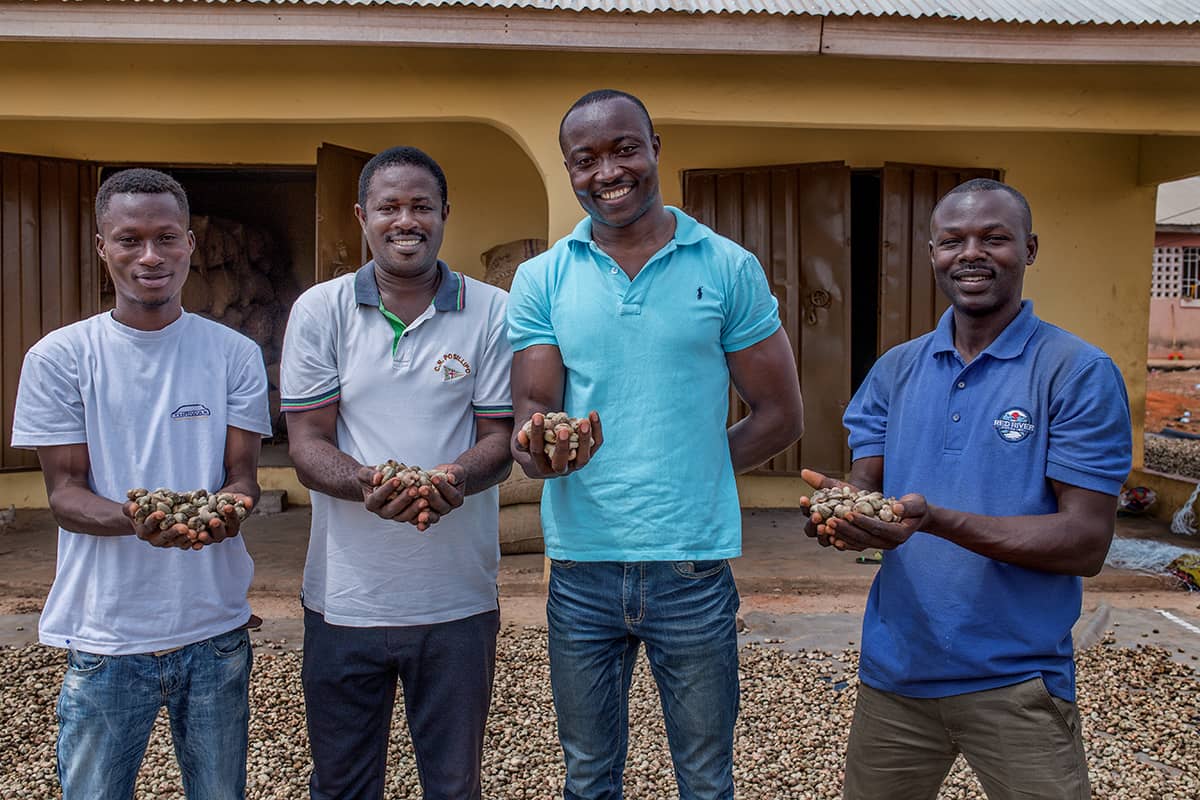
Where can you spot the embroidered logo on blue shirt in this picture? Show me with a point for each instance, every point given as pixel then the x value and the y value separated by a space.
pixel 191 411
pixel 1014 425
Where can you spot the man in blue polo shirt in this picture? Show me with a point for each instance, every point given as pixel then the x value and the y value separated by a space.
pixel 1006 440
pixel 641 317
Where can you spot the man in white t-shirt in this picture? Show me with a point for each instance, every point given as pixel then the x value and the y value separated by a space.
pixel 409 360
pixel 146 395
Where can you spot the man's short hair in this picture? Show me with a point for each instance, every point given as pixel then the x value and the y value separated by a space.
pixel 989 185
pixel 400 157
pixel 140 180
pixel 601 96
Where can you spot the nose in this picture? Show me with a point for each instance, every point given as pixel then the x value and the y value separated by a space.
pixel 972 249
pixel 404 219
pixel 607 169
pixel 150 256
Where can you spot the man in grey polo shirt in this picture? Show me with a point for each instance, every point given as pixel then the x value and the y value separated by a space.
pixel 404 359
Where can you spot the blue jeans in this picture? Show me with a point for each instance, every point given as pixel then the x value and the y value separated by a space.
pixel 108 705
pixel 349 679
pixel 685 613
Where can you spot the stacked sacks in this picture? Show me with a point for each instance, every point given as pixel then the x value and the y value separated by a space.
pixel 240 278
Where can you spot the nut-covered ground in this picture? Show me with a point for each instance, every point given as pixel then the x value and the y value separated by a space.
pixel 1141 713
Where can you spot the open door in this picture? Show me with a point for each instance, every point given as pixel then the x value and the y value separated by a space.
pixel 909 301
pixel 49 270
pixel 340 244
pixel 796 220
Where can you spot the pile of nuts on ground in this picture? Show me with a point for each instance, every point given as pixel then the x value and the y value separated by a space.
pixel 1140 711
pixel 1173 456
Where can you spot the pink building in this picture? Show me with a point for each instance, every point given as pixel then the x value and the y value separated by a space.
pixel 1175 289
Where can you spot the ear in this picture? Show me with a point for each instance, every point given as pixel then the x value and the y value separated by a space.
pixel 445 211
pixel 191 240
pixel 100 247
pixel 656 145
pixel 1031 249
pixel 931 253
pixel 361 216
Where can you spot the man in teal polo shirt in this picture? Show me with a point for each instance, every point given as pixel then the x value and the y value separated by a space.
pixel 1006 440
pixel 641 317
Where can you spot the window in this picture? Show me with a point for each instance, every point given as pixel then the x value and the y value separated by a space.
pixel 1177 274
pixel 1189 275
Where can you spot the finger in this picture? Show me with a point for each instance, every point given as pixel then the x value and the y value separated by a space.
pixel 597 432
pixel 436 500
pixel 449 492
pixel 427 519
pixel 891 534
pixel 586 446
pixel 537 444
pixel 380 496
pixel 523 440
pixel 561 462
pixel 405 507
pixel 852 537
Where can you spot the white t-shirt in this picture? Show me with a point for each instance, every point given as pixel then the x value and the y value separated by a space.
pixel 152 407
pixel 414 398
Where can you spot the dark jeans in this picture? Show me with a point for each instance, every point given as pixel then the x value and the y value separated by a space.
pixel 349 679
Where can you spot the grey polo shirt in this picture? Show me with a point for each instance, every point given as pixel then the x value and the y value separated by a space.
pixel 413 396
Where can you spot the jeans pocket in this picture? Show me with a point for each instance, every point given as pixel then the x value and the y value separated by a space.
pixel 85 663
pixel 699 569
pixel 230 644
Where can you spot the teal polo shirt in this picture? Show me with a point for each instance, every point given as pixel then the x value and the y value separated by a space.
pixel 1038 404
pixel 649 355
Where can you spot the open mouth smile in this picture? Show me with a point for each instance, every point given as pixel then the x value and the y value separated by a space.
pixel 615 193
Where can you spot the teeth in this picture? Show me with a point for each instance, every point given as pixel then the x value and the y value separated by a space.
pixel 407 242
pixel 613 194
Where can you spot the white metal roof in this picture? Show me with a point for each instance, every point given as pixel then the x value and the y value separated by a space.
pixel 1179 203
pixel 1068 12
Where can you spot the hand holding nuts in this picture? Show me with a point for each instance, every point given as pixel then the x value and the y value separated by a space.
pixel 409 476
pixel 554 422
pixel 841 500
pixel 193 509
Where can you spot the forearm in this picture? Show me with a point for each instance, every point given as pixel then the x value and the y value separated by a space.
pixel 1061 543
pixel 487 463
pixel 80 510
pixel 760 436
pixel 322 467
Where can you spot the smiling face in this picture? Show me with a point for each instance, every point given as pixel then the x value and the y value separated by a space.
pixel 145 242
pixel 611 156
pixel 404 219
pixel 980 248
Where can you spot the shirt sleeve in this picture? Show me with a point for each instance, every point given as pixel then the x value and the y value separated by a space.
pixel 493 395
pixel 49 408
pixel 752 312
pixel 248 407
pixel 308 373
pixel 866 415
pixel 529 320
pixel 1091 440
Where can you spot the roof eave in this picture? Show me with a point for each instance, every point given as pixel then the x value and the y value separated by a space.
pixel 895 37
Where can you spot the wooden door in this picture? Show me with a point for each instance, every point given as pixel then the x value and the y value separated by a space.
pixel 49 273
pixel 341 247
pixel 796 220
pixel 909 301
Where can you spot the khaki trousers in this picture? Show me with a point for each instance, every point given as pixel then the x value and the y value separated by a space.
pixel 1021 741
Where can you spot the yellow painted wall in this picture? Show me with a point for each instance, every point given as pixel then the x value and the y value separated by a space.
pixel 1074 138
pixel 496 194
pixel 1095 224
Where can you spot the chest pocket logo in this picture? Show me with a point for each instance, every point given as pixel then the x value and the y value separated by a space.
pixel 453 367
pixel 1014 425
pixel 191 411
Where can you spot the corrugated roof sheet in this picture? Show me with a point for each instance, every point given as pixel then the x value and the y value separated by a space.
pixel 1067 12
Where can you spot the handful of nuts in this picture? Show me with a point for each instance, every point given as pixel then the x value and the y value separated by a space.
pixel 409 476
pixel 556 421
pixel 841 500
pixel 193 509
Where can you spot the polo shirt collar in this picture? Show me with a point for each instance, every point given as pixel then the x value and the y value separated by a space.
pixel 1009 344
pixel 451 294
pixel 687 230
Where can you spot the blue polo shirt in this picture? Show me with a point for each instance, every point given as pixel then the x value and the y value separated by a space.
pixel 649 356
pixel 1039 404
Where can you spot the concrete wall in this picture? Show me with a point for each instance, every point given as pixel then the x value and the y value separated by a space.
pixel 1174 328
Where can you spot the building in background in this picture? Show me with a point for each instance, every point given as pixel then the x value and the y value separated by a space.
pixel 1175 285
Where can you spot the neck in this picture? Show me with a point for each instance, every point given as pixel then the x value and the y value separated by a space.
pixel 973 335
pixel 146 318
pixel 423 284
pixel 650 231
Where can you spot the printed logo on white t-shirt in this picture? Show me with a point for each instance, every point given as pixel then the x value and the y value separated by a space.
pixel 452 366
pixel 191 411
